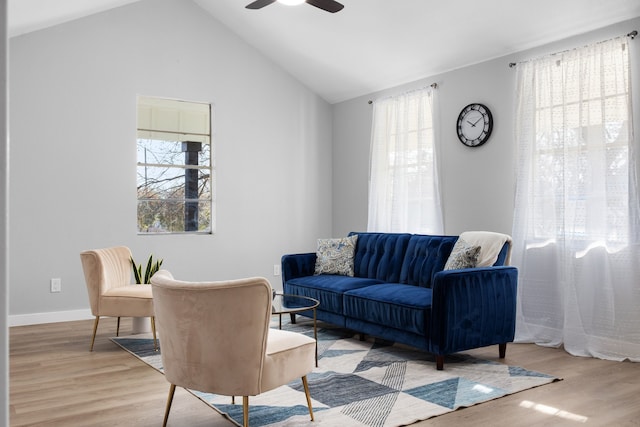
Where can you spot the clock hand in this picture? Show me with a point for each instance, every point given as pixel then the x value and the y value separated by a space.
pixel 474 123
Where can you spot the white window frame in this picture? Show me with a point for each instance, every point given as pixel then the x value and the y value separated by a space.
pixel 165 126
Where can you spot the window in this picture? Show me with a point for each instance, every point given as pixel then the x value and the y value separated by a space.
pixel 576 211
pixel 174 174
pixel 403 188
pixel 580 151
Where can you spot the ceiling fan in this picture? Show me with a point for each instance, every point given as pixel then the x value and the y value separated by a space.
pixel 328 5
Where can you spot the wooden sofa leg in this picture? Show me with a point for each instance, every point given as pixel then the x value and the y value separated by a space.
pixel 439 362
pixel 502 350
pixel 293 318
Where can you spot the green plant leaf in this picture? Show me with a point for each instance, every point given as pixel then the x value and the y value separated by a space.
pixel 136 271
pixel 151 269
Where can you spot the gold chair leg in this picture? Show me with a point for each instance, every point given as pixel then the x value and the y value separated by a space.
pixel 153 329
pixel 172 391
pixel 306 392
pixel 245 410
pixel 95 329
pixel 118 327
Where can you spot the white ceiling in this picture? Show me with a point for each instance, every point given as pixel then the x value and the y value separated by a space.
pixel 373 44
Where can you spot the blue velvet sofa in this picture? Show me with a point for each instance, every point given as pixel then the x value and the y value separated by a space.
pixel 400 292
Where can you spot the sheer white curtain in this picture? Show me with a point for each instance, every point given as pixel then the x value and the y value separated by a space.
pixel 403 184
pixel 576 215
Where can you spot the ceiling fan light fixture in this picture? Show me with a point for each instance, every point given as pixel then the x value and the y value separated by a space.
pixel 331 6
pixel 291 2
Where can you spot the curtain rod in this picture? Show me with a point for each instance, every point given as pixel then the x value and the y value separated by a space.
pixel 632 35
pixel 432 85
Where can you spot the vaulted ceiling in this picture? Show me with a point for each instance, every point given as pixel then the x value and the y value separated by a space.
pixel 373 44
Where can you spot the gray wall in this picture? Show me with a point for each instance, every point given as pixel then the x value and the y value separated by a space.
pixel 478 183
pixel 73 165
pixel 290 167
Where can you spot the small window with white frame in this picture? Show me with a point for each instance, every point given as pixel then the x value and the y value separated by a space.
pixel 174 169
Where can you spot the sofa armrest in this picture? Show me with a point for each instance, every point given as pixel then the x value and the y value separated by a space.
pixel 297 265
pixel 473 308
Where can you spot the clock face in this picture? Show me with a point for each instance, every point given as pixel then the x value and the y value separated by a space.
pixel 474 125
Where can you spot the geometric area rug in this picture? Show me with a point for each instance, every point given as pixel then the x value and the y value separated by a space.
pixel 370 383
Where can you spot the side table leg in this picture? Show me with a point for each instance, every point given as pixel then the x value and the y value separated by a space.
pixel 315 334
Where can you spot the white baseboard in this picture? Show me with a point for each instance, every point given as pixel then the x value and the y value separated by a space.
pixel 52 317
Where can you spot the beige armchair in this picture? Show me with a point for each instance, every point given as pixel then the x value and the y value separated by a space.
pixel 107 273
pixel 216 339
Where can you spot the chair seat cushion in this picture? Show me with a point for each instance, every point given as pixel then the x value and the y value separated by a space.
pixel 130 291
pixel 127 301
pixel 404 307
pixel 280 341
pixel 289 355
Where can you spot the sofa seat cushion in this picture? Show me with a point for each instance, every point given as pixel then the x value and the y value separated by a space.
pixel 404 307
pixel 327 288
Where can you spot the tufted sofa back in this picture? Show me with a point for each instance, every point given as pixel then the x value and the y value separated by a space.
pixel 412 259
pixel 401 257
pixel 425 256
pixel 380 255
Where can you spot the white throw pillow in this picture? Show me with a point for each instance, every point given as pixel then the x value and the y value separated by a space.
pixel 463 255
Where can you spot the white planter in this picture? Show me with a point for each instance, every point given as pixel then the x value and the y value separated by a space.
pixel 141 325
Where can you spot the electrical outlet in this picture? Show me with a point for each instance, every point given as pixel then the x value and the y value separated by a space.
pixel 56 285
pixel 276 269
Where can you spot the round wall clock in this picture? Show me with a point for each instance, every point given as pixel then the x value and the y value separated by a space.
pixel 474 125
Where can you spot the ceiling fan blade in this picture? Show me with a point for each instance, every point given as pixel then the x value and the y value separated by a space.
pixel 328 5
pixel 259 4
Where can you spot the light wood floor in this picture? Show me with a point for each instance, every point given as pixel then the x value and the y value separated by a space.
pixel 56 381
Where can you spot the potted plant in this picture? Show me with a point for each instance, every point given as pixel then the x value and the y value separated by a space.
pixel 141 324
pixel 152 268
